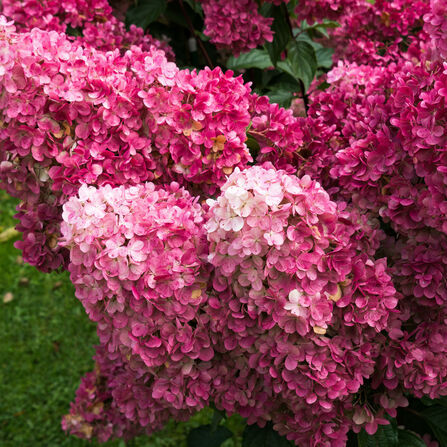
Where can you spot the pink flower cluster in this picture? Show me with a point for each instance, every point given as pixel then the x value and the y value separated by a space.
pixel 369 32
pixel 236 24
pixel 384 154
pixel 136 260
pixel 256 320
pixel 389 156
pixel 276 241
pixel 92 19
pixel 72 115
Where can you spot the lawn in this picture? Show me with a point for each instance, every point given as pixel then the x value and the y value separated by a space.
pixel 46 345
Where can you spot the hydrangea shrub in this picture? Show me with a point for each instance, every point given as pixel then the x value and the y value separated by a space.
pixel 285 264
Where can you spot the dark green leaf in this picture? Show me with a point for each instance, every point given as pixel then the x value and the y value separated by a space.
pixel 281 97
pixel 329 24
pixel 195 6
pixel 205 436
pixel 301 62
pixel 409 439
pixel 253 146
pixel 202 36
pixel 284 81
pixel 317 29
pixel 306 38
pixel 145 12
pixel 429 402
pixel 174 15
pixel 323 86
pixel 291 7
pixel 255 436
pixel 254 59
pixel 282 34
pixel 266 9
pixel 385 436
pixel 324 57
pixel 266 77
pixel 217 417
pixel 436 418
pixel 320 25
pixel 74 31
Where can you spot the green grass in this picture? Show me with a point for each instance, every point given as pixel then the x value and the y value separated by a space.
pixel 46 345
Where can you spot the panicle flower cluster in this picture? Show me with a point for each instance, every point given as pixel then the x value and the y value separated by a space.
pixel 136 260
pixel 95 412
pixel 387 160
pixel 294 293
pixel 276 241
pixel 236 25
pixel 72 115
pixel 90 21
pixel 369 32
pixel 390 156
pixel 418 362
pixel 301 280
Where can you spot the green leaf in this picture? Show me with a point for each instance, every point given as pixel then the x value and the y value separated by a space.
pixel 285 82
pixel 73 31
pixel 205 436
pixel 324 57
pixel 266 9
pixel 195 6
pixel 306 38
pixel 409 439
pixel 436 418
pixel 301 62
pixel 202 36
pixel 145 12
pixel 281 97
pixel 291 7
pixel 427 401
pixel 385 436
pixel 319 25
pixel 255 436
pixel 430 402
pixel 174 16
pixel 254 59
pixel 317 29
pixel 282 34
pixel 217 417
pixel 253 146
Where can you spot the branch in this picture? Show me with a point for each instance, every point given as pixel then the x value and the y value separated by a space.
pixel 199 42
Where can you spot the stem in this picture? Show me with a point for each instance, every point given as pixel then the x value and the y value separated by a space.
pixel 305 97
pixel 261 135
pixel 303 90
pixel 199 42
